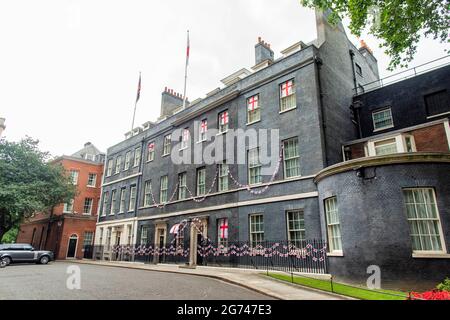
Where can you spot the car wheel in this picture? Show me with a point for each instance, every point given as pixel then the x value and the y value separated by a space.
pixel 44 260
pixel 6 260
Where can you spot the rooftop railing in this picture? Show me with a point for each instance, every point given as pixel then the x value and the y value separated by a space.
pixel 403 75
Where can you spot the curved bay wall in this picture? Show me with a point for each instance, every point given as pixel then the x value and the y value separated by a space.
pixel 373 219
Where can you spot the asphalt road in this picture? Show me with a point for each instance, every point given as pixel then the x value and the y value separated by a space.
pixel 31 282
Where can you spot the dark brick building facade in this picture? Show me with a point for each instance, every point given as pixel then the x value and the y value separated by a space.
pixel 306 96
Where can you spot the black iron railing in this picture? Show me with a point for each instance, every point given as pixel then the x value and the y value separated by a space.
pixel 308 256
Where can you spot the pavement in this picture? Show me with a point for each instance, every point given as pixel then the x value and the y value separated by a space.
pixel 251 279
pixel 55 281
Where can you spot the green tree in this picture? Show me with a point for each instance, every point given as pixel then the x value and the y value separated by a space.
pixel 399 24
pixel 29 183
pixel 11 235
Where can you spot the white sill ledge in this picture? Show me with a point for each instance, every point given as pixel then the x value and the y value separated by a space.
pixel 383 128
pixel 431 255
pixel 335 254
pixel 293 108
pixel 250 123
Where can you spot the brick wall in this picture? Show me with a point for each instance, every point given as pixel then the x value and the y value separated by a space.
pixel 431 139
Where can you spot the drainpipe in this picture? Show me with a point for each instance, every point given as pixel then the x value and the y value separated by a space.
pixel 352 58
pixel 318 63
pixel 356 106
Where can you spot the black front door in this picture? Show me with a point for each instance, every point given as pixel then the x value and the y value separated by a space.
pixel 161 244
pixel 72 248
pixel 199 245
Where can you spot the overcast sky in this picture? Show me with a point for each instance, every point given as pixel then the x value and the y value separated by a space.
pixel 69 69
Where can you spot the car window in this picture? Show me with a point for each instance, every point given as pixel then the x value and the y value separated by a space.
pixel 27 248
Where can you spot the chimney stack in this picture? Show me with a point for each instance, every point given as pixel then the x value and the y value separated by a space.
pixel 171 101
pixel 263 52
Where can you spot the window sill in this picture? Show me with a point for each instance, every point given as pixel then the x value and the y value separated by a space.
pixel 384 128
pixel 165 155
pixel 91 186
pixel 223 132
pixel 86 214
pixel 437 255
pixel 181 149
pixel 335 254
pixel 253 122
pixel 149 161
pixel 201 141
pixel 438 115
pixel 293 108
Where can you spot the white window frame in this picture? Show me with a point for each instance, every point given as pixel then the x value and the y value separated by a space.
pixel 163 189
pixel 300 230
pixel 113 202
pixel 132 202
pixel 74 176
pixel 151 152
pixel 147 193
pixel 255 114
pixel 90 205
pixel 182 186
pixel 400 143
pixel 122 200
pixel 330 226
pixel 109 168
pixel 201 187
pixel 127 161
pixel 167 145
pixel 251 167
pixel 222 241
pixel 144 239
pixel 68 205
pixel 203 134
pixel 375 128
pixel 185 137
pixel 253 232
pixel 437 219
pixel 105 203
pixel 223 127
pixel 286 159
pixel 88 235
pixel 92 182
pixel 223 176
pixel 284 99
pixel 118 164
pixel 137 157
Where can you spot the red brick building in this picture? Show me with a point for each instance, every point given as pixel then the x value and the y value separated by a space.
pixel 69 228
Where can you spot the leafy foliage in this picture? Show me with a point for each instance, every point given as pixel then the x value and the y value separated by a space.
pixel 28 182
pixel 10 236
pixel 444 285
pixel 398 23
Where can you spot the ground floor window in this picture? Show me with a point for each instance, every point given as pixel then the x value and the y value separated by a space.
pixel 144 235
pixel 333 225
pixel 108 238
pixel 256 229
pixel 222 232
pixel 423 218
pixel 296 227
pixel 88 237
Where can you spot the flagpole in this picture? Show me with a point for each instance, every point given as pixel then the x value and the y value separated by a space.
pixel 135 103
pixel 185 71
pixel 134 114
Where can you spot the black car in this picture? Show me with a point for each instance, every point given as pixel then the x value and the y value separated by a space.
pixel 21 252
